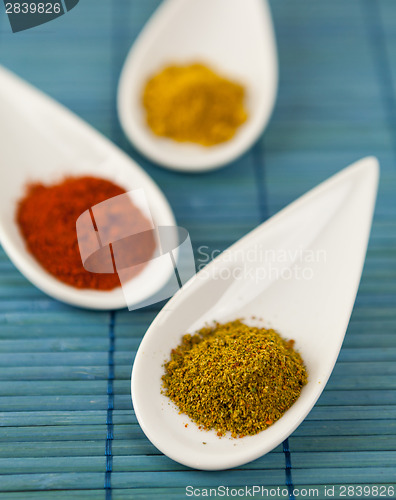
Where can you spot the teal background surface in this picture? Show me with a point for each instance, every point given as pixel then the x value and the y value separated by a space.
pixel 67 427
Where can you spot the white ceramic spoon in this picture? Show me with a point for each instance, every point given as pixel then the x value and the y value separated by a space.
pixel 298 273
pixel 41 141
pixel 236 38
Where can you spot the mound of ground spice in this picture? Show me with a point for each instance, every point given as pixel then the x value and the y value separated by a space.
pixel 47 218
pixel 234 377
pixel 192 103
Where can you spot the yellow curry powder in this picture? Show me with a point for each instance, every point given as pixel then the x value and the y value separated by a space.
pixel 192 103
pixel 234 378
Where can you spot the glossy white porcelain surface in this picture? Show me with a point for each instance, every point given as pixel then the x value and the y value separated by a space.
pixel 331 223
pixel 234 37
pixel 41 141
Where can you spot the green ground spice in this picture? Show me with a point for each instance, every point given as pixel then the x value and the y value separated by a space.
pixel 233 377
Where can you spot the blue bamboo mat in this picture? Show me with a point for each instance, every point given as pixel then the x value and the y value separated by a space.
pixel 67 427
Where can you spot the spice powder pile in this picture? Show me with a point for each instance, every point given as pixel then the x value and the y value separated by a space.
pixel 234 377
pixel 192 103
pixel 47 217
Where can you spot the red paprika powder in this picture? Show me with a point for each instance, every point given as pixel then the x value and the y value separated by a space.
pixel 47 218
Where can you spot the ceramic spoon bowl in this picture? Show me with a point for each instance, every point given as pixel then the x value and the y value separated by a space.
pixel 41 141
pixel 297 273
pixel 234 37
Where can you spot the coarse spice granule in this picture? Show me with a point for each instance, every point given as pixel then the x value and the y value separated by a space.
pixel 234 377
